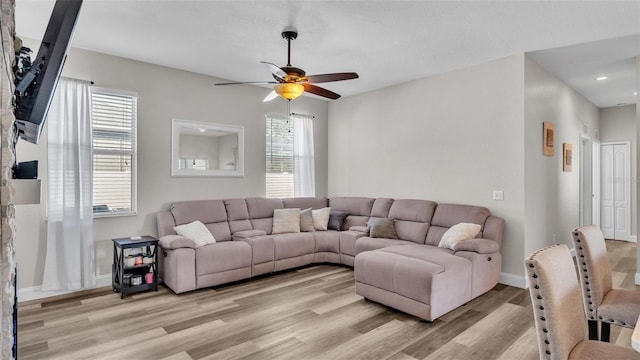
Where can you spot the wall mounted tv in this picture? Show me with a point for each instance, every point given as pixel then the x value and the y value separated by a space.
pixel 36 82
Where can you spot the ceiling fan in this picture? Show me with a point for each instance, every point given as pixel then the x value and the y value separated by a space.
pixel 291 81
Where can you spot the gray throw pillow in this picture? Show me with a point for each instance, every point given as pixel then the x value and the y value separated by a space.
pixel 382 228
pixel 336 219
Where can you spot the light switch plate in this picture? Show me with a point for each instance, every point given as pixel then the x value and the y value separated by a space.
pixel 498 195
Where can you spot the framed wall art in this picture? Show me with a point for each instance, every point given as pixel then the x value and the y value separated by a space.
pixel 567 154
pixel 548 138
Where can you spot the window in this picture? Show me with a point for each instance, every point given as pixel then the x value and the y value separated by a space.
pixel 113 119
pixel 289 156
pixel 279 177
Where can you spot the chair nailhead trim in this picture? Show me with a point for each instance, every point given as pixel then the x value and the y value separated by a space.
pixel 545 330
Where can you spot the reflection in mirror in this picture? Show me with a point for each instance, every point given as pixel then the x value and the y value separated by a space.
pixel 206 149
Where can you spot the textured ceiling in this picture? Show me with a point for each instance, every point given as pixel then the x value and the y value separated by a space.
pixel 386 42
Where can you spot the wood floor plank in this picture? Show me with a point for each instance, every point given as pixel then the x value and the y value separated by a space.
pixel 310 312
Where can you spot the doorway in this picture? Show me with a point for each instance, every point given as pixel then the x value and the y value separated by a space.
pixel 616 190
pixel 589 181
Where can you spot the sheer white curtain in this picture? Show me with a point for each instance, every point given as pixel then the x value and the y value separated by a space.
pixel 69 262
pixel 304 168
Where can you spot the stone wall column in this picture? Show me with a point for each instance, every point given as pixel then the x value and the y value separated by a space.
pixel 7 159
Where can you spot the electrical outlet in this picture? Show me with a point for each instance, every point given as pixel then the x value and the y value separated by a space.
pixel 498 195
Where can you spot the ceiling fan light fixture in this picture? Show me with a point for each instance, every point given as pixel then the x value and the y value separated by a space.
pixel 289 91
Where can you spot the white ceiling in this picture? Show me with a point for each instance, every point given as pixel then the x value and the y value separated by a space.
pixel 386 42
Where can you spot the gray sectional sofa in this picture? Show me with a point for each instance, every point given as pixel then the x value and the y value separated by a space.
pixel 410 273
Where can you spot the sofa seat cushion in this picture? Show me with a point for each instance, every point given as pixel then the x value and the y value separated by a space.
pixel 417 272
pixel 348 241
pixel 368 243
pixel 222 256
pixel 327 241
pixel 262 248
pixel 293 244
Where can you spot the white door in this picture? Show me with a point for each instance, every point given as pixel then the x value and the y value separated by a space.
pixel 616 190
pixel 595 196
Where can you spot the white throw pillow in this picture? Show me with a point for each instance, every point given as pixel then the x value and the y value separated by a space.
pixel 457 233
pixel 197 232
pixel 286 221
pixel 321 218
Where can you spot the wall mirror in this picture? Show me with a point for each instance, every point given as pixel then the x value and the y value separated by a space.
pixel 206 149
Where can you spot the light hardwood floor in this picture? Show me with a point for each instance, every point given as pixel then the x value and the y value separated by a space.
pixel 308 313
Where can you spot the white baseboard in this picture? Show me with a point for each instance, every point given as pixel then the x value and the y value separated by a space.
pixel 633 238
pixel 513 280
pixel 637 278
pixel 36 292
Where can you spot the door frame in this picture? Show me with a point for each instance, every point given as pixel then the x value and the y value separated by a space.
pixel 627 182
pixel 589 199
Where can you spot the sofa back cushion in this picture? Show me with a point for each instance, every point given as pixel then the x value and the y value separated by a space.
pixel 237 215
pixel 305 202
pixel 412 218
pixel 212 213
pixel 381 207
pixel 447 215
pixel 359 209
pixel 261 212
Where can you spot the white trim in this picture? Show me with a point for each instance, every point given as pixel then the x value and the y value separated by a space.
pixel 637 279
pixel 36 292
pixel 513 280
pixel 633 238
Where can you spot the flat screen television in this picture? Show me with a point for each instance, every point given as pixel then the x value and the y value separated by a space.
pixel 36 82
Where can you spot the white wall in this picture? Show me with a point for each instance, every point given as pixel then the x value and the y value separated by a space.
pixel 163 94
pixel 552 205
pixel 454 137
pixel 618 123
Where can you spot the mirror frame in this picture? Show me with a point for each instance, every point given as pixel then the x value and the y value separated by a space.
pixel 178 124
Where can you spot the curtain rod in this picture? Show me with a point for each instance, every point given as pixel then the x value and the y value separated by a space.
pixel 89 81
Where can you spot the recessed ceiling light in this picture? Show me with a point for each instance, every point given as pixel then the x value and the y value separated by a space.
pixel 600 78
pixel 635 93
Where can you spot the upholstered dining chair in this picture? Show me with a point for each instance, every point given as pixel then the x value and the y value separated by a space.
pixel 560 324
pixel 602 303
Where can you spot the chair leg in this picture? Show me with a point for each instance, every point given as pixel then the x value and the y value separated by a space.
pixel 605 330
pixel 593 329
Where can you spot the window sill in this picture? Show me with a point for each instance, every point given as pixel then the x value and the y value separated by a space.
pixel 114 214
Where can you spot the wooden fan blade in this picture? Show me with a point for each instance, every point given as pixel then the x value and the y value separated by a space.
pixel 322 78
pixel 277 73
pixel 272 95
pixel 317 90
pixel 249 83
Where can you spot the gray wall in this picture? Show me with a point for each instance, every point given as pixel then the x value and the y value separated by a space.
pixel 458 136
pixel 163 94
pixel 619 124
pixel 454 138
pixel 552 206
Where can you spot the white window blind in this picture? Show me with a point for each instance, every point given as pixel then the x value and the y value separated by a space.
pixel 280 161
pixel 114 117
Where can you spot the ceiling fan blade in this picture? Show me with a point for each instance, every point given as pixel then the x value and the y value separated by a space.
pixel 277 73
pixel 317 90
pixel 322 78
pixel 272 95
pixel 249 83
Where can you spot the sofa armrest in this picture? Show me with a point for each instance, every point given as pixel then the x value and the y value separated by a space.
pixel 245 234
pixel 176 242
pixel 360 228
pixel 480 246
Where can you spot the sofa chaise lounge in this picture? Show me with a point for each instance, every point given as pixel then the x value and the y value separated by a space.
pixel 409 272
